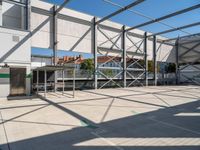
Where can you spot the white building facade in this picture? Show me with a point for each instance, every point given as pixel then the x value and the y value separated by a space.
pixel 15 53
pixel 24 25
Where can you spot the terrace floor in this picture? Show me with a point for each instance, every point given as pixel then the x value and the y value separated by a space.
pixel 137 118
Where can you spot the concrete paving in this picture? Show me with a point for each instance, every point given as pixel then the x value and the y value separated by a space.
pixel 137 118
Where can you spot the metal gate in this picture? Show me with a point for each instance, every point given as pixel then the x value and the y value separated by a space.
pixel 17 81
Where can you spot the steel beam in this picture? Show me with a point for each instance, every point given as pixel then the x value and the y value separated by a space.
pixel 145 58
pixel 177 60
pixel 28 10
pixel 37 82
pixel 54 28
pixel 54 31
pixel 94 47
pixel 189 49
pixel 191 41
pixel 62 6
pixel 15 2
pixel 74 82
pixel 55 15
pixel 54 38
pixel 60 16
pixel 165 17
pixel 120 10
pixel 124 55
pixel 155 60
pixel 63 80
pixel 45 83
pixel 142 15
pixel 136 79
pixel 178 28
pixel 196 34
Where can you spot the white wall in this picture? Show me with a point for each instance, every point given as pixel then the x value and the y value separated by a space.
pixel 76 36
pixel 16 46
pixel 40 61
pixel 190 72
pixel 16 52
pixel 165 53
pixel 4 82
pixel 192 55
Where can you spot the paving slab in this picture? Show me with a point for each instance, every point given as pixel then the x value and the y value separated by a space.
pixel 141 118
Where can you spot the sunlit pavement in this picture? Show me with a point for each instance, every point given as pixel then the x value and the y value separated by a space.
pixel 149 118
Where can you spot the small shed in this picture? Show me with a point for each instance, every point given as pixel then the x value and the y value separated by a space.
pixel 54 69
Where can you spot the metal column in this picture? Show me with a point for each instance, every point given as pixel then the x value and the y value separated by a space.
pixel 154 60
pixel 54 31
pixel 1 19
pixel 124 55
pixel 37 82
pixel 28 9
pixel 45 83
pixel 63 73
pixel 94 46
pixel 145 58
pixel 74 83
pixel 177 60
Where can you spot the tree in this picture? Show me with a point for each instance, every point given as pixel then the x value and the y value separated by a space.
pixel 150 66
pixel 87 65
pixel 171 68
pixel 108 73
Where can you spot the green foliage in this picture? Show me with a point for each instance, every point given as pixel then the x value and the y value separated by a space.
pixel 171 68
pixel 108 73
pixel 159 67
pixel 141 62
pixel 150 66
pixel 87 65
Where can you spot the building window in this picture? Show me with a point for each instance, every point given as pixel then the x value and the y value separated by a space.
pixel 14 14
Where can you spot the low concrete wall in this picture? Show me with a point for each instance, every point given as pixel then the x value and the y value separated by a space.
pixel 4 82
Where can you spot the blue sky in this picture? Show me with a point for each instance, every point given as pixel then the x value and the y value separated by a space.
pixel 60 53
pixel 151 8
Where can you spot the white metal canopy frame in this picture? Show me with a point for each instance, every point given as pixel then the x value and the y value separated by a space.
pixel 63 69
pixel 116 42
